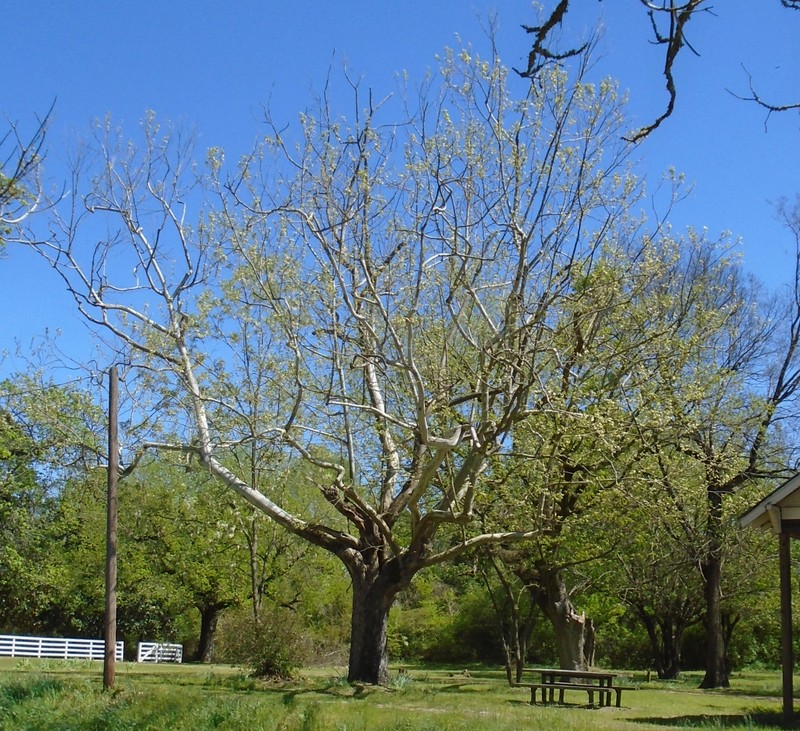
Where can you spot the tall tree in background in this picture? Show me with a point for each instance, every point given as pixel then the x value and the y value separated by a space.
pixel 49 435
pixel 665 410
pixel 722 392
pixel 572 462
pixel 407 277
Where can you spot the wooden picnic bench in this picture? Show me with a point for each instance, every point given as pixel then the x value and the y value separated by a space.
pixel 591 681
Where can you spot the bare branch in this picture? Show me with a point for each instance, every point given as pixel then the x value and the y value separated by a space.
pixel 674 40
pixel 540 54
pixel 20 164
pixel 481 540
pixel 755 97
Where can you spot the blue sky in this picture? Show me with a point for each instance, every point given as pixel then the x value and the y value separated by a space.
pixel 214 66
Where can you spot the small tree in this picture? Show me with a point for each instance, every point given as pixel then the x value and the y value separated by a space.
pixel 658 580
pixel 188 533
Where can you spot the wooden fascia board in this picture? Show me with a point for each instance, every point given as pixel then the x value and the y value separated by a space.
pixel 759 516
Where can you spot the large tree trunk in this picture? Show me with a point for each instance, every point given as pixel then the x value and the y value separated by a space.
pixel 716 665
pixel 369 659
pixel 666 643
pixel 209 614
pixel 374 591
pixel 570 630
pixel 569 627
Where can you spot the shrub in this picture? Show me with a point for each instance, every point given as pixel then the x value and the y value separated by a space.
pixel 436 624
pixel 274 647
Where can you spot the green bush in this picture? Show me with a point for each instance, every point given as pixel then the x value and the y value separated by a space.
pixel 434 623
pixel 274 647
pixel 623 643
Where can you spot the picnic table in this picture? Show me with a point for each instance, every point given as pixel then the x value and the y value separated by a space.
pixel 591 681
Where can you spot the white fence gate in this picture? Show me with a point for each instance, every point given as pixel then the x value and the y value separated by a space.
pixel 55 647
pixel 159 652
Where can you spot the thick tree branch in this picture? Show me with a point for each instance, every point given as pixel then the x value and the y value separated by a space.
pixel 541 54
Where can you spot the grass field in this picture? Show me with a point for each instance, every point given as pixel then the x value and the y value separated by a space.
pixel 67 696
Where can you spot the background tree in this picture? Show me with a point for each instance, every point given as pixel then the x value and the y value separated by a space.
pixel 724 389
pixel 574 461
pixel 189 534
pixel 25 581
pixel 214 550
pixel 515 610
pixel 48 435
pixel 654 574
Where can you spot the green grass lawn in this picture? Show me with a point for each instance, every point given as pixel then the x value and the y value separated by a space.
pixel 68 696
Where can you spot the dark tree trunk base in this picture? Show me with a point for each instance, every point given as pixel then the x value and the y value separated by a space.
pixel 208 628
pixel 374 591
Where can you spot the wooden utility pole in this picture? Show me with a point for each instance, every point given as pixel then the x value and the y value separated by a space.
pixel 109 660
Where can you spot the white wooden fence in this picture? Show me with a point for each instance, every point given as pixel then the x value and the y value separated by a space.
pixel 74 649
pixel 55 647
pixel 159 652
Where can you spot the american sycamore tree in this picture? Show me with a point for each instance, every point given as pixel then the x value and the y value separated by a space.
pixel 384 297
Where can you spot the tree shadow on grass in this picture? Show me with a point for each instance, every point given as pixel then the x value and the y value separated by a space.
pixel 337 688
pixel 760 718
pixel 566 706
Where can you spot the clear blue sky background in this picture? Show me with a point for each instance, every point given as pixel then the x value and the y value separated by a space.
pixel 215 65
